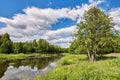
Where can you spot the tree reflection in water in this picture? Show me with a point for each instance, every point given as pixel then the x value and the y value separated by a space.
pixel 26 68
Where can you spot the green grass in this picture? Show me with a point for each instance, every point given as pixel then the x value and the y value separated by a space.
pixel 5 57
pixel 76 67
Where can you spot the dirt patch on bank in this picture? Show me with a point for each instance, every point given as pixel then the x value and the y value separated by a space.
pixel 114 54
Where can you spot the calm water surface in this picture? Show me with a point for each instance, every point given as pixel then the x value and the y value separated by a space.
pixel 27 68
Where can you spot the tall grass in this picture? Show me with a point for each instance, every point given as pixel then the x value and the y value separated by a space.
pixel 76 67
pixel 5 57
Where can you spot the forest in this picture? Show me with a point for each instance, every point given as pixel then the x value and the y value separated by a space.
pixel 41 46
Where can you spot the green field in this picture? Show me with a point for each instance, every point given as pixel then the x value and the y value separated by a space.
pixel 77 67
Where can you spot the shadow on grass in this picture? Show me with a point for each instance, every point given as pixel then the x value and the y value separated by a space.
pixel 105 58
pixel 84 59
pixel 99 58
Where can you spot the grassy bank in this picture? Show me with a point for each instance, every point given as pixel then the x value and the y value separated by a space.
pixel 76 67
pixel 5 57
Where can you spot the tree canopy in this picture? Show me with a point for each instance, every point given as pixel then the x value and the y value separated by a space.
pixel 95 32
pixel 6 44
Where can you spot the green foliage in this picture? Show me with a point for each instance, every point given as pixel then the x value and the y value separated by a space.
pixel 27 47
pixel 96 29
pixel 71 59
pixel 94 33
pixel 6 44
pixel 34 45
pixel 116 41
pixel 0 40
pixel 18 47
pixel 41 46
pixel 77 47
pixel 6 57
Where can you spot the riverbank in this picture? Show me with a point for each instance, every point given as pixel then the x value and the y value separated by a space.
pixel 26 66
pixel 5 57
pixel 77 67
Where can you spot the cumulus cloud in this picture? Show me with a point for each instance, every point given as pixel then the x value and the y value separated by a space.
pixel 61 37
pixel 60 32
pixel 35 20
pixel 35 23
pixel 115 14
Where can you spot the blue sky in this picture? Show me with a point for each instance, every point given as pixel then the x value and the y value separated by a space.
pixel 18 18
pixel 10 8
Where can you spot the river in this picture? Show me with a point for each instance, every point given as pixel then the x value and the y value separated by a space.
pixel 27 68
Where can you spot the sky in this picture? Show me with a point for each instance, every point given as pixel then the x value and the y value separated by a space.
pixel 53 20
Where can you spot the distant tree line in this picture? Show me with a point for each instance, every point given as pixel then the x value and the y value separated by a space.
pixel 40 46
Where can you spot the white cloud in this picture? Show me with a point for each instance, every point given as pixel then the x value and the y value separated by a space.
pixel 115 14
pixel 61 37
pixel 91 1
pixel 35 23
pixel 35 20
pixel 96 1
pixel 60 32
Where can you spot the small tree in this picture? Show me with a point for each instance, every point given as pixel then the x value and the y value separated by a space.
pixel 18 47
pixel 34 45
pixel 6 44
pixel 42 46
pixel 94 31
pixel 116 41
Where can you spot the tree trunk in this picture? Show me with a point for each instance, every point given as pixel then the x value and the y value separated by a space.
pixel 92 57
pixel 91 54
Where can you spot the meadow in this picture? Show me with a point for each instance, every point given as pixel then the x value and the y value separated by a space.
pixel 77 67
